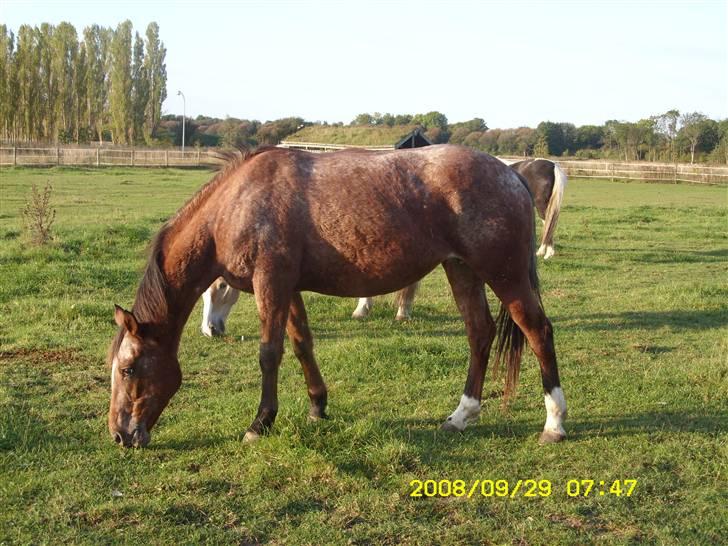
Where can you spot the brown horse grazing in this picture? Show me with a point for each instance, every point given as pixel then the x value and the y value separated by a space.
pixel 276 222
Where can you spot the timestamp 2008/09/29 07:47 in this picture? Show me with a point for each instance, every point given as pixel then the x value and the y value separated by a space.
pixel 527 488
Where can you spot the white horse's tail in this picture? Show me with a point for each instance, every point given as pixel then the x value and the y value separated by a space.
pixel 552 213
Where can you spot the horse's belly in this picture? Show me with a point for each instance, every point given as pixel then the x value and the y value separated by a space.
pixel 369 270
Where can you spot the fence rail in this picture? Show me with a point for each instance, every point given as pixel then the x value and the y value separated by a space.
pixel 652 172
pixel 104 157
pixel 131 157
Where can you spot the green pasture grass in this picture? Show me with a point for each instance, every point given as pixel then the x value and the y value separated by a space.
pixel 637 294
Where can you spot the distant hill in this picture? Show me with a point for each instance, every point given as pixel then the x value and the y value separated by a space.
pixel 357 135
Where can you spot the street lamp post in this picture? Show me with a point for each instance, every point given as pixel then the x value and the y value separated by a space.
pixel 184 115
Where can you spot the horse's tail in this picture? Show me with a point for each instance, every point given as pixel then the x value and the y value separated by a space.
pixel 552 212
pixel 509 337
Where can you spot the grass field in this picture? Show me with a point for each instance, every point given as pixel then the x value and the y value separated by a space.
pixel 638 296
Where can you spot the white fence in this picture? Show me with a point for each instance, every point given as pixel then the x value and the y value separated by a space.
pixel 104 157
pixel 131 157
pixel 663 172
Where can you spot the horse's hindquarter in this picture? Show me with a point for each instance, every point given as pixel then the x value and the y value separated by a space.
pixel 539 174
pixel 382 221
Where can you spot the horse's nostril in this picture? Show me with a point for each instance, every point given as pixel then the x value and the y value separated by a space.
pixel 117 438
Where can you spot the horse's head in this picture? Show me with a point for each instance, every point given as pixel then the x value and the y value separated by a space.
pixel 145 374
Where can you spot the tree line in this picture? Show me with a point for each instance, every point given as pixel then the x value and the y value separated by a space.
pixel 105 85
pixel 109 85
pixel 669 137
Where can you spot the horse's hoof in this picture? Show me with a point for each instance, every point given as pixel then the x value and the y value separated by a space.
pixel 250 437
pixel 313 417
pixel 359 315
pixel 550 437
pixel 402 318
pixel 449 426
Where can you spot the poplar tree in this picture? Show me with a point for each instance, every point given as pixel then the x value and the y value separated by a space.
pixel 46 107
pixel 26 63
pixel 140 89
pixel 97 40
pixel 7 41
pixel 156 73
pixel 121 84
pixel 64 53
pixel 79 92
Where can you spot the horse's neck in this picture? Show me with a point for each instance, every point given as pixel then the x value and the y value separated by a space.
pixel 188 270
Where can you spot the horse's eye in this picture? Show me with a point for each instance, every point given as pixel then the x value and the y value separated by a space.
pixel 127 372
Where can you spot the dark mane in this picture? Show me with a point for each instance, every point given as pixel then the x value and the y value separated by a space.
pixel 150 302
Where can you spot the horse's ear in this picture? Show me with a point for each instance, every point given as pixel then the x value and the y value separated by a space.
pixel 125 319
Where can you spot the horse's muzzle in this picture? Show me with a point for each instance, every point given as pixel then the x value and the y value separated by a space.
pixel 139 437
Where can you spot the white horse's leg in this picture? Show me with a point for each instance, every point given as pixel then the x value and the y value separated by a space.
pixel 549 252
pixel 404 312
pixel 363 308
pixel 542 249
pixel 206 325
pixel 405 299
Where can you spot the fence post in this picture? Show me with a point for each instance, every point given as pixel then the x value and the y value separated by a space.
pixel 166 158
pixel 674 173
pixel 132 157
pixel 98 161
pixel 198 157
pixel 58 155
pixel 15 156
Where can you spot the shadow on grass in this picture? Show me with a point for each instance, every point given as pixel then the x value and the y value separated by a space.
pixel 420 431
pixel 658 256
pixel 678 320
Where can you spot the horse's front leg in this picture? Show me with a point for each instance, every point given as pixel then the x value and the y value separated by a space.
pixel 273 298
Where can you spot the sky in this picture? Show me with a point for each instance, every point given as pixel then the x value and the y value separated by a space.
pixel 511 63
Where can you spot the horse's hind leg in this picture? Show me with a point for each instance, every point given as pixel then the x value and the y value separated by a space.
pixel 541 210
pixel 405 299
pixel 469 295
pixel 525 309
pixel 302 341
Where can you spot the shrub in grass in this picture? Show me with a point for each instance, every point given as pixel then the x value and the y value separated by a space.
pixel 38 216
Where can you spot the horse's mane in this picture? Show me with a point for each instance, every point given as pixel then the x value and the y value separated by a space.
pixel 150 302
pixel 228 161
